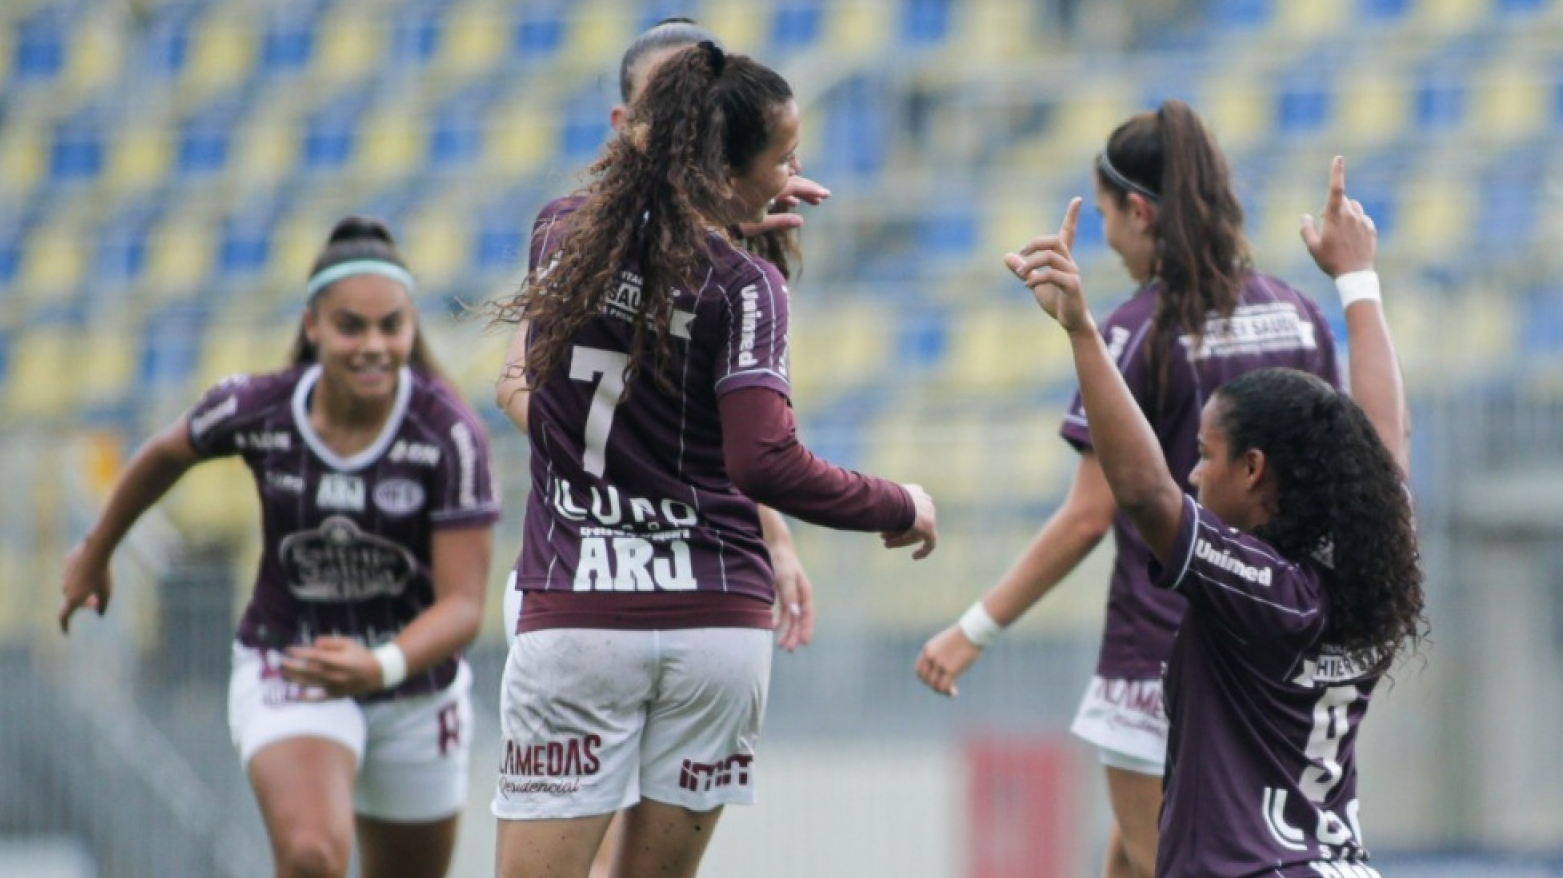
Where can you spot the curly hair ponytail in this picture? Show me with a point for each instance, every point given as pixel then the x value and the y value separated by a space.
pixel 1340 497
pixel 655 193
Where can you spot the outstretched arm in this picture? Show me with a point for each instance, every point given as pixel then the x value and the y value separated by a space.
pixel 154 468
pixel 1125 444
pixel 1343 244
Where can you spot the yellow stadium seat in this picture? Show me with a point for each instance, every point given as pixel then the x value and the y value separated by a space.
pixel 390 143
pixel 436 245
pixel 994 30
pixel 295 242
pixel 179 257
pixel 42 383
pixel 139 158
pixel 1012 219
pixel 1311 19
pixel 1237 109
pixel 22 159
pixel 233 347
pixel 1375 105
pixel 54 261
pixel 222 52
pixel 1449 16
pixel 1086 115
pixel 860 27
pixel 475 37
pixel 1273 231
pixel 96 54
pixel 264 151
pixel 742 27
pixel 215 501
pixel 1434 210
pixel 838 345
pixel 521 136
pixel 996 351
pixel 1510 100
pixel 598 32
pixel 349 41
pixel 106 358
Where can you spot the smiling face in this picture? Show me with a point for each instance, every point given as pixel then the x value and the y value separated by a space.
pixel 362 328
pixel 1127 228
pixel 755 187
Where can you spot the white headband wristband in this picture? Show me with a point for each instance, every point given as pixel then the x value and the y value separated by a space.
pixel 1358 286
pixel 328 276
pixel 979 626
pixel 393 664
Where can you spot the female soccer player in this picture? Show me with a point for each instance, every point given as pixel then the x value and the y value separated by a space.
pixel 348 701
pixel 773 237
pixel 1202 316
pixel 1298 561
pixel 660 416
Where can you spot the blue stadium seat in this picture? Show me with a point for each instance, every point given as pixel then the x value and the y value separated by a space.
pixel 653 11
pixel 330 133
pixel 120 254
pixel 171 347
pixel 165 44
pixel 457 126
pixel 40 42
pixel 584 125
pixel 244 247
pixel 1440 98
pixel 288 39
pixel 539 30
pixel 1303 105
pixel 1541 321
pixel 205 137
pixel 948 232
pixel 1383 10
pixel 1240 14
pixel 925 22
pixel 415 32
pixel 856 135
pixel 795 24
pixel 77 152
pixel 922 338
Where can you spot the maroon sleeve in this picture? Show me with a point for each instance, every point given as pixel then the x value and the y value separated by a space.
pixel 766 462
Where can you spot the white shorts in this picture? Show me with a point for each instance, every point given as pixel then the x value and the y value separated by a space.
pixel 1126 719
pixel 412 753
pixel 593 720
pixel 511 609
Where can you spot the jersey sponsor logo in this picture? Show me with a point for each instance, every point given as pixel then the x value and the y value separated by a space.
pixel 414 452
pixel 1253 329
pixel 1223 559
pixel 398 496
pixel 260 440
pixel 749 322
pixel 702 777
pixel 340 491
pixel 1117 338
pixel 610 508
pixel 286 482
pixel 340 562
pixel 655 562
pixel 466 464
pixel 211 417
pixel 1334 665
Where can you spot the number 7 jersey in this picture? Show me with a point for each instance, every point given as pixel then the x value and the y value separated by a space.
pixel 632 520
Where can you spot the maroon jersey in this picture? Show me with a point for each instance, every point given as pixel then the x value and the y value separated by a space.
pixel 1273 325
pixel 633 520
pixel 1261 758
pixel 348 541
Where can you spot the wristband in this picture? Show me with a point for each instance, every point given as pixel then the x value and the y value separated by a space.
pixel 393 664
pixel 1358 286
pixel 978 626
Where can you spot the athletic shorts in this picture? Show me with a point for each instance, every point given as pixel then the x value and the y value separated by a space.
pixel 593 720
pixel 511 608
pixel 412 753
pixel 1126 719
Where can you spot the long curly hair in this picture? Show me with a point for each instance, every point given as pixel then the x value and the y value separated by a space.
pixel 1340 497
pixel 1202 256
pixel 655 195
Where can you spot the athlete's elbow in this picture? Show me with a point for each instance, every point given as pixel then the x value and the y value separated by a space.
pixel 751 476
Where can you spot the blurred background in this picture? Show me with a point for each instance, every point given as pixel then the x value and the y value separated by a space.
pixel 168 169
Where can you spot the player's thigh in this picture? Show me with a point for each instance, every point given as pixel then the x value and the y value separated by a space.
pixel 542 848
pixel 304 786
pixel 699 745
pixel 388 849
pixel 1136 803
pixel 572 712
pixel 660 840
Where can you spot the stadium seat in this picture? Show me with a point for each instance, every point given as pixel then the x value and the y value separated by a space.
pixel 120 252
pixel 105 357
pixel 436 239
pixel 287 39
pixel 475 38
pixel 42 380
pixel 244 245
pixel 180 257
pixel 222 51
pixel 838 346
pixel 598 31
pixel 205 136
pixel 522 134
pixel 348 44
pixel 924 22
pixel 53 262
pixel 795 24
pixel 1001 350
pixel 860 27
pixel 1508 100
pixel 538 30
pixel 39 44
pixel 391 142
pixel 1313 19
pixel 139 158
pixel 742 27
pixel 415 34
pixel 76 152
pixel 330 133
pixel 215 502
pixel 97 50
pixel 23 162
pixel 1439 98
pixel 1375 106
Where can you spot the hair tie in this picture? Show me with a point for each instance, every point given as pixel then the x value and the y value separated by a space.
pixel 1122 182
pixel 715 57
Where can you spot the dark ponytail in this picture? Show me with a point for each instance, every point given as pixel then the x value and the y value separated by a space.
pixel 1201 255
pixel 1339 496
pixel 656 191
pixel 353 239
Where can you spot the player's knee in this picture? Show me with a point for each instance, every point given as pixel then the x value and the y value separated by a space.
pixel 312 853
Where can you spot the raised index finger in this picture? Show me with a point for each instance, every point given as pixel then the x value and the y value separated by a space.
pixel 1336 201
pixel 1071 221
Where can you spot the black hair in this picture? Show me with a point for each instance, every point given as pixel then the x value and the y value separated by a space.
pixel 1340 496
pixel 356 238
pixel 1201 256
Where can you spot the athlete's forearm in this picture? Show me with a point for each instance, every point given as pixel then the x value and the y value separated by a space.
pixel 1376 382
pixel 155 468
pixel 461 560
pixel 1056 550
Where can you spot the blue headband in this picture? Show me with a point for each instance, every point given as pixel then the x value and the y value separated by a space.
pixel 329 276
pixel 1121 181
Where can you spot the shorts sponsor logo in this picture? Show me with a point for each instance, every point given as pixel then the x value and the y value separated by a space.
pixel 1224 560
pixel 339 491
pixel 398 496
pixel 1134 696
pixel 339 562
pixel 702 777
pixel 552 768
pixel 414 452
pixel 208 419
